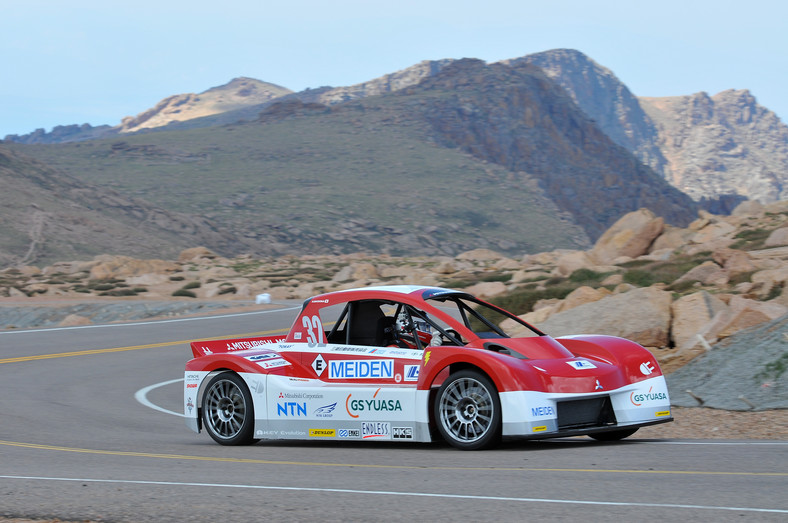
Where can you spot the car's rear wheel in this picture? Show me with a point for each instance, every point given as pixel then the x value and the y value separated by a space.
pixel 613 435
pixel 227 410
pixel 468 411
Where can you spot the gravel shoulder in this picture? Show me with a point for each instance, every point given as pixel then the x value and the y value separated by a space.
pixel 705 423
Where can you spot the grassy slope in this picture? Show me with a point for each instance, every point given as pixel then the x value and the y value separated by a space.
pixel 302 177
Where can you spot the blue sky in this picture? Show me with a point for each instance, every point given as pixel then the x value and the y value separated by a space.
pixel 96 61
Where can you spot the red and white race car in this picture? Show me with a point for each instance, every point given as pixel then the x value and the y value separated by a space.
pixel 411 363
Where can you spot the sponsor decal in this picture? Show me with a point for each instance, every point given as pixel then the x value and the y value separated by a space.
pixel 427 357
pixel 397 352
pixel 538 412
pixel 412 372
pixel 189 405
pixel 375 430
pixel 322 433
pixel 581 364
pixel 206 350
pixel 326 411
pixel 291 409
pixel 402 433
pixel 662 413
pixel 354 406
pixel 320 301
pixel 192 385
pixel 639 398
pixel 258 386
pixel 192 377
pixel 246 345
pixel 646 368
pixel 351 349
pixel 349 433
pixel 319 365
pixel 266 356
pixel 360 369
pixel 297 336
pixel 398 377
pixel 598 385
pixel 540 428
pixel 300 395
pixel 272 364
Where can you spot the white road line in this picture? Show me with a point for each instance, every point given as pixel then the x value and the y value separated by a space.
pixel 134 324
pixel 142 396
pixel 413 494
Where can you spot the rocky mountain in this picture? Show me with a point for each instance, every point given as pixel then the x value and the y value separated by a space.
pixel 473 155
pixel 513 115
pixel 721 145
pixel 720 150
pixel 605 99
pixel 723 149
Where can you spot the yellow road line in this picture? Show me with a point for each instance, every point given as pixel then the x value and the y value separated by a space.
pixel 366 465
pixel 133 347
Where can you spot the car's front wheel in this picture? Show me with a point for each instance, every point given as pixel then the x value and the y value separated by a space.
pixel 227 410
pixel 468 411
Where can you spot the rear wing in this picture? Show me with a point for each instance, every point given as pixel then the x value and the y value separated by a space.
pixel 203 348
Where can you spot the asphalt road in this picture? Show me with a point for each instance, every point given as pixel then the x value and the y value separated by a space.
pixel 90 430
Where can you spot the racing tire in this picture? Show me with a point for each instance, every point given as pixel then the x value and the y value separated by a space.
pixel 467 411
pixel 228 411
pixel 613 435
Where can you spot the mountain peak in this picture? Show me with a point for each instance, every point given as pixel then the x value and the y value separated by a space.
pixel 237 93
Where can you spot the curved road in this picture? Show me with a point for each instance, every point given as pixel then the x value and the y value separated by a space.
pixel 90 430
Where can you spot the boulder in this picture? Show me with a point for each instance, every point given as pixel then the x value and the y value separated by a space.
pixel 443 267
pixel 570 261
pixel 641 315
pixel 581 296
pixel 748 208
pixel 708 273
pixel 741 314
pixel 121 267
pixel 506 264
pixel 671 238
pixel 196 254
pixel 480 255
pixel 631 236
pixel 691 316
pixel 487 289
pixel 712 231
pixel 777 237
pixel 13 292
pixel 734 262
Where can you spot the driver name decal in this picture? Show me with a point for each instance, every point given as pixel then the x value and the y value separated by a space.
pixel 360 369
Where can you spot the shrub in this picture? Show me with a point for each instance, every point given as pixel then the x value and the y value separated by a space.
pixel 184 292
pixel 191 285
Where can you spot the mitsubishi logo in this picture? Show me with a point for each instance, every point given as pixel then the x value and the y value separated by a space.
pixel 598 385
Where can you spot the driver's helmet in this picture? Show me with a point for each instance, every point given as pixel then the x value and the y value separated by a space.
pixel 405 325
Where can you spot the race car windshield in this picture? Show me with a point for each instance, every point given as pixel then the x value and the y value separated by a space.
pixel 484 320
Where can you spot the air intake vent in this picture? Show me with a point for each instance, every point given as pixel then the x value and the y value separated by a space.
pixel 592 412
